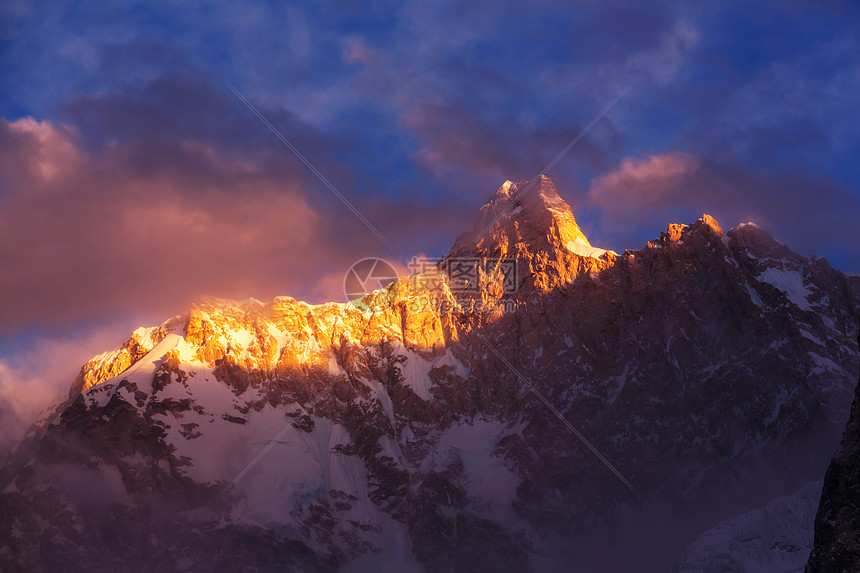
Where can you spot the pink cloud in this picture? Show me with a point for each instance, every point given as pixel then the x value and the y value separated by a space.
pixel 357 51
pixel 48 147
pixel 649 182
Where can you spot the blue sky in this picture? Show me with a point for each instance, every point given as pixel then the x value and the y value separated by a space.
pixel 134 180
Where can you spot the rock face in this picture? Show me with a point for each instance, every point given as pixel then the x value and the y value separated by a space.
pixel 837 524
pixel 706 367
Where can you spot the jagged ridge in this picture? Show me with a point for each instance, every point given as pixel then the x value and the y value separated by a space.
pixel 700 357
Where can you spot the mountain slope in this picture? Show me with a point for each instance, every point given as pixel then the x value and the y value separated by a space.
pixel 774 539
pixel 707 367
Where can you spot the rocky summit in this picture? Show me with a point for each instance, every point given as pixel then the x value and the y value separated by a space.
pixel 597 415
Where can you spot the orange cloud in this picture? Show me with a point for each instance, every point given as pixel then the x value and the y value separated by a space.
pixel 83 236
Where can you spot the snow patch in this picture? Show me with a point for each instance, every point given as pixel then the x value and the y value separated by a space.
pixel 490 484
pixel 416 370
pixel 620 382
pixel 583 249
pixel 811 336
pixel 754 296
pixel 790 283
pixel 823 364
pixel 143 335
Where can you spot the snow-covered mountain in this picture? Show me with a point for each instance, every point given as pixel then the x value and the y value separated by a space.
pixel 712 370
pixel 774 539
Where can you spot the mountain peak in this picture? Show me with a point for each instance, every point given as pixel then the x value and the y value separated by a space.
pixel 396 403
pixel 522 212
